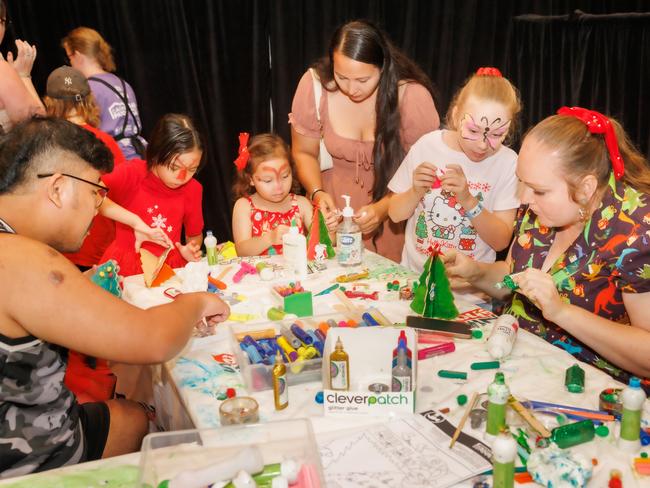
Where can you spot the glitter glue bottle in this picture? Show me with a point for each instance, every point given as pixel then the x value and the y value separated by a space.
pixel 210 243
pixel 498 394
pixel 339 368
pixel 402 377
pixel 504 453
pixel 570 435
pixel 503 336
pixel 294 249
pixel 348 238
pixel 632 398
pixel 280 387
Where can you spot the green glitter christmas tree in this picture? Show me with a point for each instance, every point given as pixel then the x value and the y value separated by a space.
pixel 434 281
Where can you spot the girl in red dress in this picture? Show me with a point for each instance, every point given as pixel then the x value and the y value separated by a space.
pixel 153 199
pixel 266 205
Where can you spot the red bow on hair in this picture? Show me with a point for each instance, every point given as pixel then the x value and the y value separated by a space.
pixel 487 71
pixel 242 159
pixel 598 123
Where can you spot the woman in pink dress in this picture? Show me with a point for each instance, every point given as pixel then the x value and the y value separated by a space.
pixel 374 104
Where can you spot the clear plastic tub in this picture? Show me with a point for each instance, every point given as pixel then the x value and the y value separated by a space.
pixel 259 376
pixel 167 454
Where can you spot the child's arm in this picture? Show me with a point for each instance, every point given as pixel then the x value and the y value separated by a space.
pixel 402 205
pixel 495 228
pixel 242 231
pixel 142 231
pixel 306 212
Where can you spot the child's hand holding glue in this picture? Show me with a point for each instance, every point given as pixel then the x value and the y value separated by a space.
pixel 454 180
pixel 425 176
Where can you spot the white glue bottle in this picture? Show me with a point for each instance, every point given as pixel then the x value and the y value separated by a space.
pixel 210 243
pixel 348 238
pixel 294 249
pixel 503 336
pixel 632 398
pixel 504 453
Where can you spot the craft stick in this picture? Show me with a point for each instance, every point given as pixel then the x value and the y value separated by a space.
pixel 461 424
pixel 257 334
pixel 528 417
pixel 347 303
pixel 223 273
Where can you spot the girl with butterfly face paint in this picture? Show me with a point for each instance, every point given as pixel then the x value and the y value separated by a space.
pixel 457 187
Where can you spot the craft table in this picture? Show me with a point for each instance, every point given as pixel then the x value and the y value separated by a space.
pixel 186 390
pixel 188 387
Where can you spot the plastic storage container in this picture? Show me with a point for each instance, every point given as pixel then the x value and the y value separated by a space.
pixel 259 376
pixel 165 455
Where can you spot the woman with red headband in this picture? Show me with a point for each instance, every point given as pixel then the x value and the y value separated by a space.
pixel 581 254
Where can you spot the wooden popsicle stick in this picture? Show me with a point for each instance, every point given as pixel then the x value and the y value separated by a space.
pixel 461 424
pixel 223 273
pixel 528 417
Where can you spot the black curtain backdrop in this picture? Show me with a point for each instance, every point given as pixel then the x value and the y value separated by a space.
pixel 233 65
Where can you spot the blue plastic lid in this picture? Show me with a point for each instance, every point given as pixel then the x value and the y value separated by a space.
pixel 635 382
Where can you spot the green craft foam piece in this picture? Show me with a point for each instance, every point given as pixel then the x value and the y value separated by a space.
pixel 461 399
pixel 300 304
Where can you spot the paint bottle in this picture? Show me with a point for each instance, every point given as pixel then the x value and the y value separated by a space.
pixel 402 376
pixel 633 398
pixel 210 243
pixel 294 249
pixel 349 243
pixel 498 393
pixel 503 336
pixel 339 368
pixel 504 453
pixel 280 387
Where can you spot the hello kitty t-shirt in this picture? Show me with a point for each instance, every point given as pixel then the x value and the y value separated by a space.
pixel 439 219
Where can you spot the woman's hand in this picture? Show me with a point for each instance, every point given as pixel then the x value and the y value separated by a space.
pixel 460 266
pixel 368 218
pixel 190 251
pixel 25 57
pixel 326 204
pixel 424 177
pixel 541 291
pixel 153 234
pixel 454 180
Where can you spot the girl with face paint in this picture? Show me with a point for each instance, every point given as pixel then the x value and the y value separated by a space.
pixel 160 194
pixel 457 187
pixel 266 204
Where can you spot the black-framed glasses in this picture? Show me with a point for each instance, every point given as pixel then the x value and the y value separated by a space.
pixel 101 192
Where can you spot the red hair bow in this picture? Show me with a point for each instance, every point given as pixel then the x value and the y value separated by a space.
pixel 487 71
pixel 244 155
pixel 598 123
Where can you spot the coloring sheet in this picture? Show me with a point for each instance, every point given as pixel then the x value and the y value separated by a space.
pixel 411 451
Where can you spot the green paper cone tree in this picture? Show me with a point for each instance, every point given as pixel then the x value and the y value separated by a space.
pixel 434 279
pixel 318 234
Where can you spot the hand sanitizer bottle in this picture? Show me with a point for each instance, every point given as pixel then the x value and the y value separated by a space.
pixel 348 238
pixel 294 249
pixel 210 243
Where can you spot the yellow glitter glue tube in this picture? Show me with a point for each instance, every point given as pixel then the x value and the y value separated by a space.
pixel 292 354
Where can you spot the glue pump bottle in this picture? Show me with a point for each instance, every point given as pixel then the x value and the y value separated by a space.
pixel 633 398
pixel 348 238
pixel 294 249
pixel 498 394
pixel 504 453
pixel 339 368
pixel 210 243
